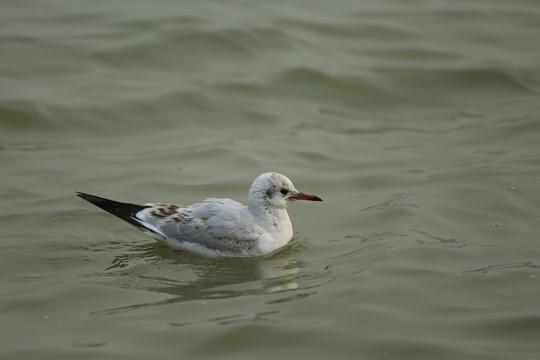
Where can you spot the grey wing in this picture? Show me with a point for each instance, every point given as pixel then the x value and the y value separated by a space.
pixel 216 225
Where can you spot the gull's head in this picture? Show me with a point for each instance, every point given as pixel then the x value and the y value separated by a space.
pixel 276 191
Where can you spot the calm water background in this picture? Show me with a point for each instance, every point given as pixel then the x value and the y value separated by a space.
pixel 417 122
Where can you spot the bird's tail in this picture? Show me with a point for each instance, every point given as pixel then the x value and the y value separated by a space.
pixel 124 211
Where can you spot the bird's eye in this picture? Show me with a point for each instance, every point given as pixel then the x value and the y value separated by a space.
pixel 284 191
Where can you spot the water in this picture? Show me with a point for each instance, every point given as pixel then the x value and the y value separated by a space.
pixel 417 123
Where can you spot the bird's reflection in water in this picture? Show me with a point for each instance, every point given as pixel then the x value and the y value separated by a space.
pixel 189 277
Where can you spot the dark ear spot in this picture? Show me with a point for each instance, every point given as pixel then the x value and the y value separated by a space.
pixel 269 193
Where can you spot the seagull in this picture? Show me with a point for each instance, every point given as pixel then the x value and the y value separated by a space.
pixel 218 227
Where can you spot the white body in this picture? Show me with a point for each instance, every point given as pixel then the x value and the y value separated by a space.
pixel 224 227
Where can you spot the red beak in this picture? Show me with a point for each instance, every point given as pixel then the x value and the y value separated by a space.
pixel 302 196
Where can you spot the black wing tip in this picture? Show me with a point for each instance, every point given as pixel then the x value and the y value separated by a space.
pixel 125 211
pixel 95 199
pixel 82 195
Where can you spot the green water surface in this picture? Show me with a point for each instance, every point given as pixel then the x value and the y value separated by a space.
pixel 417 122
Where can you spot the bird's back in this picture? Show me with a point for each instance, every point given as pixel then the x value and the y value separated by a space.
pixel 213 227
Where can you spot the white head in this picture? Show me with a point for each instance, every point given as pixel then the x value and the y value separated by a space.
pixel 273 190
